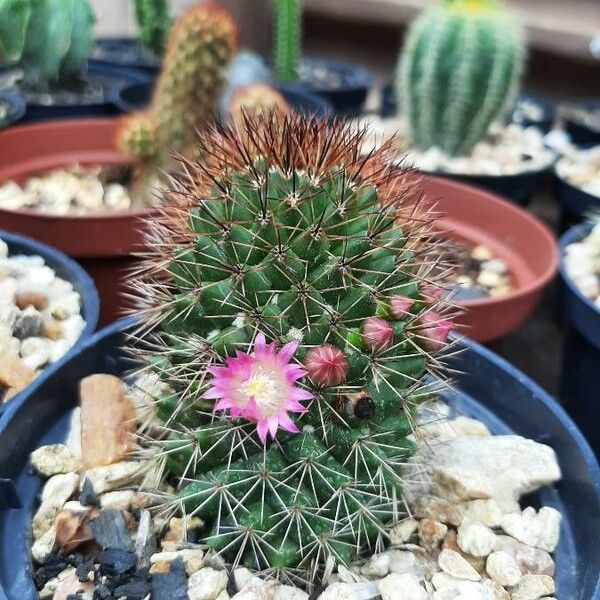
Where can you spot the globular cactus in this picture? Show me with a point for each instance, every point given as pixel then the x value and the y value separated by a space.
pixel 283 304
pixel 200 46
pixel 287 39
pixel 459 71
pixel 50 40
pixel 256 99
pixel 154 23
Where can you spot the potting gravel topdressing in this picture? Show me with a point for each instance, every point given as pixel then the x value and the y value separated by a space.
pixel 581 168
pixel 40 319
pixel 460 534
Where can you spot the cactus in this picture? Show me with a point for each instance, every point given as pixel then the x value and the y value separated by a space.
pixel 256 99
pixel 459 71
pixel 154 23
pixel 285 304
pixel 200 46
pixel 287 39
pixel 50 40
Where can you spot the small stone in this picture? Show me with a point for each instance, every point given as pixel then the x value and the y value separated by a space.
pixel 69 584
pixel 475 539
pixel 136 589
pixel 503 569
pixel 438 509
pixel 481 253
pixel 116 561
pixel 111 477
pixel 28 323
pixel 457 566
pixel 119 500
pixel 540 530
pixel 287 592
pixel 244 578
pixel 54 459
pixel 431 533
pixel 43 546
pixel 494 591
pixel 484 511
pixel 489 279
pixel 401 587
pixel 35 352
pixel 38 300
pixel 530 560
pixel 56 492
pixel 106 421
pixel 339 591
pixel 145 540
pixel 172 585
pixel 52 329
pixel 532 587
pixel 88 496
pixel 403 531
pixel 73 441
pixel 401 562
pixel 183 529
pixel 377 566
pixel 109 529
pixel 206 584
pixel 14 373
pixel 193 558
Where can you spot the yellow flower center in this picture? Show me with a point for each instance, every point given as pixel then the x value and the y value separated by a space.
pixel 263 386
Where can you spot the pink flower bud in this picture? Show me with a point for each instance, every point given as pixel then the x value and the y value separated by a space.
pixel 377 334
pixel 431 291
pixel 435 330
pixel 326 365
pixel 400 305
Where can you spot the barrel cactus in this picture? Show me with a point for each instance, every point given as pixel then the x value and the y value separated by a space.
pixel 459 71
pixel 287 39
pixel 200 47
pixel 154 23
pixel 50 40
pixel 290 306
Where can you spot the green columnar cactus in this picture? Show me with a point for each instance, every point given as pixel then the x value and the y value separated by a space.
pixel 200 47
pixel 287 39
pixel 459 70
pixel 50 40
pixel 291 451
pixel 154 23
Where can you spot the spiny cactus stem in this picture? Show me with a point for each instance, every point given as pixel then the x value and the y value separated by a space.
pixel 287 39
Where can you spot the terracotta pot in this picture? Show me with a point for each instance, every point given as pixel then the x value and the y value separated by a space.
pixel 102 243
pixel 474 216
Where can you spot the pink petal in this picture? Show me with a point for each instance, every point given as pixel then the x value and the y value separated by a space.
pixel 262 428
pixel 273 422
pixel 286 423
pixel 212 394
pixel 286 353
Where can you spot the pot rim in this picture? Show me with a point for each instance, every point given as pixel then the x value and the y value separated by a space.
pixel 540 282
pixel 573 188
pixel 575 234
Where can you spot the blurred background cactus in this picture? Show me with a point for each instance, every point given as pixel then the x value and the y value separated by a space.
pixel 287 39
pixel 154 23
pixel 256 99
pixel 459 71
pixel 49 40
pixel 201 45
pixel 287 306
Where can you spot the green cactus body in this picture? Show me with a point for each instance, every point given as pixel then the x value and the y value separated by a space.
pixel 287 39
pixel 200 47
pixel 459 70
pixel 154 23
pixel 287 232
pixel 50 40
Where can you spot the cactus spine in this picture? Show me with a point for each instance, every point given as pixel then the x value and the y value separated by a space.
pixel 154 23
pixel 50 40
pixel 459 70
pixel 200 46
pixel 288 35
pixel 291 277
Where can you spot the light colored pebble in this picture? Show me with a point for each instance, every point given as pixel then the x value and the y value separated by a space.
pixel 56 492
pixel 476 539
pixel 112 477
pixel 401 587
pixel 206 584
pixel 503 569
pixel 403 531
pixel 454 564
pixel 532 587
pixel 54 459
pixel 540 530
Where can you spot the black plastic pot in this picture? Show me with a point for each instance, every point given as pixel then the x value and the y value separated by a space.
pixel 66 269
pixel 126 53
pixel 137 96
pixel 582 134
pixel 113 78
pixel 348 88
pixel 489 389
pixel 547 109
pixel 579 386
pixel 15 107
pixel 575 203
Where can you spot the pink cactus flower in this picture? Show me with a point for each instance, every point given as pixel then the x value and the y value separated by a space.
pixel 326 365
pixel 435 330
pixel 400 305
pixel 377 334
pixel 260 387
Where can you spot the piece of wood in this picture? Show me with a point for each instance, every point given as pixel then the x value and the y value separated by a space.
pixel 107 421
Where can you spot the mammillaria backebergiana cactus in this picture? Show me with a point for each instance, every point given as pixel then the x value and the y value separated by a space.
pixel 287 39
pixel 154 23
pixel 290 305
pixel 50 40
pixel 459 71
pixel 200 46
